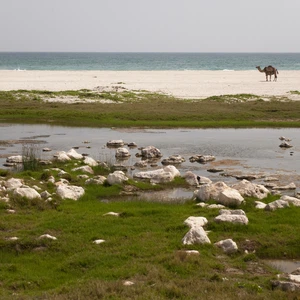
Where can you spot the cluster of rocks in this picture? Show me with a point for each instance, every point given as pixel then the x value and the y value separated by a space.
pixel 206 190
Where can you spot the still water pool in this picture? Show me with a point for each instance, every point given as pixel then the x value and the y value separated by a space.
pixel 236 150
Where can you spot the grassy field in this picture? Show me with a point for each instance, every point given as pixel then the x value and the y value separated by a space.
pixel 143 245
pixel 142 109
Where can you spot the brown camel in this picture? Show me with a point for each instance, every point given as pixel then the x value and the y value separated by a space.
pixel 269 70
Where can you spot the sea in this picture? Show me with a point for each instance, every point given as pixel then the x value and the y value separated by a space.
pixel 144 61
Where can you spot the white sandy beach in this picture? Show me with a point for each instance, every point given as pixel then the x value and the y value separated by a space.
pixel 182 84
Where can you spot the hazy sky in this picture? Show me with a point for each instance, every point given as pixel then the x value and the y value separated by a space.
pixel 150 26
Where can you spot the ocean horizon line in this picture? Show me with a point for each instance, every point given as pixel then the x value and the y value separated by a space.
pixel 162 52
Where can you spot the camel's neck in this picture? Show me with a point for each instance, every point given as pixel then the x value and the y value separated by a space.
pixel 260 70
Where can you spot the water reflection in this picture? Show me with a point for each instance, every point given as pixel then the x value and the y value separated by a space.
pixel 244 150
pixel 285 266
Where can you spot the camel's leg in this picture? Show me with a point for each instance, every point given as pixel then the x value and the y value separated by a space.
pixel 266 77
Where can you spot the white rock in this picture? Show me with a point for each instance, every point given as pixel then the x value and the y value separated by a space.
pixel 15 159
pixel 85 169
pixel 196 235
pixel 173 159
pixel 230 196
pixel 61 156
pixel 13 183
pixel 13 238
pixel 214 206
pixel 99 180
pixel 235 219
pixel 151 152
pixel 260 205
pixel 51 179
pixel 111 213
pixel 47 236
pixel 291 200
pixel 27 192
pixel 290 186
pixel 98 241
pixel 128 283
pixel 249 189
pixel 228 246
pixel 166 174
pixel 69 191
pixel 72 153
pixel 116 177
pixel 122 153
pixel 191 178
pixel 295 278
pixel 276 205
pixel 90 161
pixel 238 212
pixel 115 143
pixel 192 252
pixel 195 221
pixel 211 191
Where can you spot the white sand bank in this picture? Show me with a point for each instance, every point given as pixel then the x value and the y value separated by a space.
pixel 183 84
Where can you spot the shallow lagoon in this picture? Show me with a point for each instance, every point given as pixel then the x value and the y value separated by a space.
pixel 246 151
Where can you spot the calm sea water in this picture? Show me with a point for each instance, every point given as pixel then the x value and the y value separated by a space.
pixel 146 61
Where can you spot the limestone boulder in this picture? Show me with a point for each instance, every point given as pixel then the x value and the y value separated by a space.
pixel 141 164
pixel 173 160
pixel 15 159
pixel 72 153
pixel 249 189
pixel 150 152
pixel 69 191
pixel 291 200
pixel 202 158
pixel 195 221
pixel 27 192
pixel 210 191
pixel 84 169
pixel 277 204
pixel 115 143
pixel 235 219
pixel 61 156
pixel 98 180
pixel 166 174
pixel 220 192
pixel 228 246
pixel 13 183
pixel 122 153
pixel 229 197
pixel 236 216
pixel 191 178
pixel 196 235
pixel 260 205
pixel 90 161
pixel 290 186
pixel 117 177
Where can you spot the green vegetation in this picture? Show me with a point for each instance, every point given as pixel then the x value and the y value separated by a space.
pixel 141 108
pixel 142 245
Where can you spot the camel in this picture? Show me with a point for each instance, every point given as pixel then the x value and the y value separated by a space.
pixel 269 70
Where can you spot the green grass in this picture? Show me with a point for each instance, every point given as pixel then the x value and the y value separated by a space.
pixel 143 245
pixel 148 109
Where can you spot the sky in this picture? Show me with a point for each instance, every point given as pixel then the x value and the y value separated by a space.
pixel 150 25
